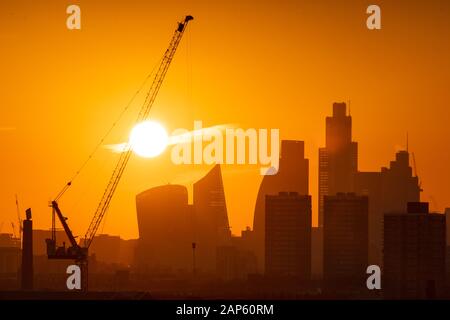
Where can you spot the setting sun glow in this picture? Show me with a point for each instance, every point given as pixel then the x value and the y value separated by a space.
pixel 148 139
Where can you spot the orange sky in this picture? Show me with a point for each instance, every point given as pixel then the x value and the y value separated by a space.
pixel 258 64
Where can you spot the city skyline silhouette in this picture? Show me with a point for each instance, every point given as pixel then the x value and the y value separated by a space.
pixel 361 114
pixel 184 240
pixel 69 124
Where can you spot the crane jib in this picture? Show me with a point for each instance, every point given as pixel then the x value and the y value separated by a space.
pixel 143 114
pixel 80 254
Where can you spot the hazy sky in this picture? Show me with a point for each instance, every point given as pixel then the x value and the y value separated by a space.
pixel 257 64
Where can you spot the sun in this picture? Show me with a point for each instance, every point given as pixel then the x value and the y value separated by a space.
pixel 148 139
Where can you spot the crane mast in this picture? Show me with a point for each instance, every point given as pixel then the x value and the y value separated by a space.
pixel 76 252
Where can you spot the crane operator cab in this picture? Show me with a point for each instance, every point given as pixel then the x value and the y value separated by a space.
pixel 63 252
pixel 181 25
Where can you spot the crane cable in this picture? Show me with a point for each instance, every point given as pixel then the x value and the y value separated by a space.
pixel 125 109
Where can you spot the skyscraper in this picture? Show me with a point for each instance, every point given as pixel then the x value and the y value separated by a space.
pixel 389 191
pixel 338 161
pixel 414 253
pixel 399 184
pixel 165 229
pixel 288 235
pixel 212 228
pixel 292 176
pixel 316 253
pixel 345 239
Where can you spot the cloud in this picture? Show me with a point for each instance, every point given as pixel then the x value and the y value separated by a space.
pixel 7 128
pixel 117 148
pixel 186 137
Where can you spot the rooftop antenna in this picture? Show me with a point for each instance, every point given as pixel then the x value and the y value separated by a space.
pixel 349 108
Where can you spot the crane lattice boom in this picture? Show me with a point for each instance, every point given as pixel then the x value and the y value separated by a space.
pixel 143 114
pixel 75 251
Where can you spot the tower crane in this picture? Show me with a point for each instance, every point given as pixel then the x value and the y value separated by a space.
pixel 79 252
pixel 19 219
pixel 415 172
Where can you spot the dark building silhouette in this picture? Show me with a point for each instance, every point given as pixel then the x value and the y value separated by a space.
pixel 49 273
pixel 414 253
pixel 288 235
pixel 113 249
pixel 106 248
pixel 127 254
pixel 27 253
pixel 9 262
pixel 447 256
pixel 292 176
pixel 212 228
pixel 169 227
pixel 403 185
pixel 370 185
pixel 39 244
pixel 338 164
pixel 227 262
pixel 165 230
pixel 237 260
pixel 389 191
pixel 447 217
pixel 345 239
pixel 338 160
pixel 316 253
